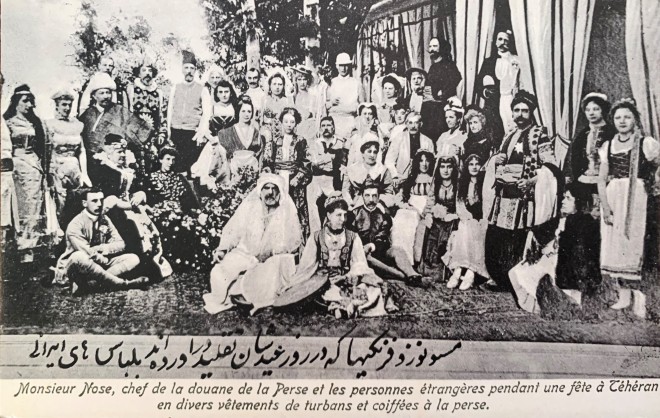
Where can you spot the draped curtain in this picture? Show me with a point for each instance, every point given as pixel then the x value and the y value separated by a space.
pixel 410 28
pixel 475 22
pixel 643 56
pixel 378 51
pixel 552 39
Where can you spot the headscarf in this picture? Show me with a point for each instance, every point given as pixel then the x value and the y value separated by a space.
pixel 255 232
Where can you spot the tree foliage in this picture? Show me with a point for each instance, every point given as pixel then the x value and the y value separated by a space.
pixel 281 27
pixel 128 40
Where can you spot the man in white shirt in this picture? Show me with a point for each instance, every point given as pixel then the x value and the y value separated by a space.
pixel 404 146
pixel 187 115
pixel 256 93
pixel 343 96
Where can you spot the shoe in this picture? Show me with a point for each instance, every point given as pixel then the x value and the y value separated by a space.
pixel 416 281
pixel 141 282
pixel 468 280
pixel 454 280
pixel 639 304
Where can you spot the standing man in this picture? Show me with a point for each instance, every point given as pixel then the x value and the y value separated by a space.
pixel 343 96
pixel 328 157
pixel 186 107
pixel 527 186
pixel 404 146
pixel 119 96
pixel 417 79
pixel 256 93
pixel 441 84
pixel 498 82
pixel 104 117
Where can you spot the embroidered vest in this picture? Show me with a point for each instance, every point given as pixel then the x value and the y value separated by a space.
pixel 323 253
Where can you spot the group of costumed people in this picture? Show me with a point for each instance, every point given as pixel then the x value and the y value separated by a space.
pixel 348 194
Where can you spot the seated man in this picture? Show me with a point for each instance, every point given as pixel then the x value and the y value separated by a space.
pixel 125 205
pixel 333 262
pixel 373 223
pixel 255 258
pixel 94 258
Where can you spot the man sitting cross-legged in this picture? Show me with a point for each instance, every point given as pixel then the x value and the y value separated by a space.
pixel 255 258
pixel 373 223
pixel 94 258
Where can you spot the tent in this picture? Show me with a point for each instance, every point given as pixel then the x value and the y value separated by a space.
pixel 553 40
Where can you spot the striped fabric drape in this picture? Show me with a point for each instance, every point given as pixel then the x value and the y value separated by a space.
pixel 643 56
pixel 552 38
pixel 475 22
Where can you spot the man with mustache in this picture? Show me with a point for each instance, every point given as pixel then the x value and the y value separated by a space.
pixel 255 258
pixel 119 96
pixel 404 145
pixel 328 157
pixel 256 93
pixel 441 84
pixel 96 258
pixel 103 117
pixel 188 115
pixel 373 223
pixel 498 82
pixel 114 173
pixel 526 187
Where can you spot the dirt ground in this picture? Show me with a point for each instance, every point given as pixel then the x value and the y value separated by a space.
pixel 175 307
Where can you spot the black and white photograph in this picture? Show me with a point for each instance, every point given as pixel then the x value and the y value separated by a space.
pixel 480 176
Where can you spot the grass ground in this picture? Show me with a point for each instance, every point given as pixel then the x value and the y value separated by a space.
pixel 175 307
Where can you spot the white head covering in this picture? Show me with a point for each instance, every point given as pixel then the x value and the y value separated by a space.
pixel 214 69
pixel 343 59
pixel 101 81
pixel 257 232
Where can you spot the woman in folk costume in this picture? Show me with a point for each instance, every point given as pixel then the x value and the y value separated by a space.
pixel 454 117
pixel 9 202
pixel 627 164
pixel 584 163
pixel 255 258
pixel 412 200
pixel 274 103
pixel 366 125
pixel 68 166
pixel 465 254
pixel 440 216
pixel 334 266
pixel 37 225
pixel 306 101
pixel 286 154
pixel 369 170
pixel 224 112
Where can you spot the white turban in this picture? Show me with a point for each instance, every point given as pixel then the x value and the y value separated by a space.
pixel 101 81
pixel 275 179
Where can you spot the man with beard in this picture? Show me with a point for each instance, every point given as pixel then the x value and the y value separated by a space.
pixel 119 96
pixel 417 79
pixel 441 84
pixel 404 145
pixel 497 83
pixel 186 107
pixel 373 224
pixel 95 256
pixel 125 203
pixel 256 93
pixel 527 185
pixel 255 258
pixel 328 157
pixel 104 116
pixel 343 96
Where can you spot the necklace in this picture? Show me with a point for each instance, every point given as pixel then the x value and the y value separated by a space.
pixel 622 141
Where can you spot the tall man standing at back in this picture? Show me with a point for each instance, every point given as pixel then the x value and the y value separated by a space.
pixel 186 107
pixel 343 96
pixel 441 84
